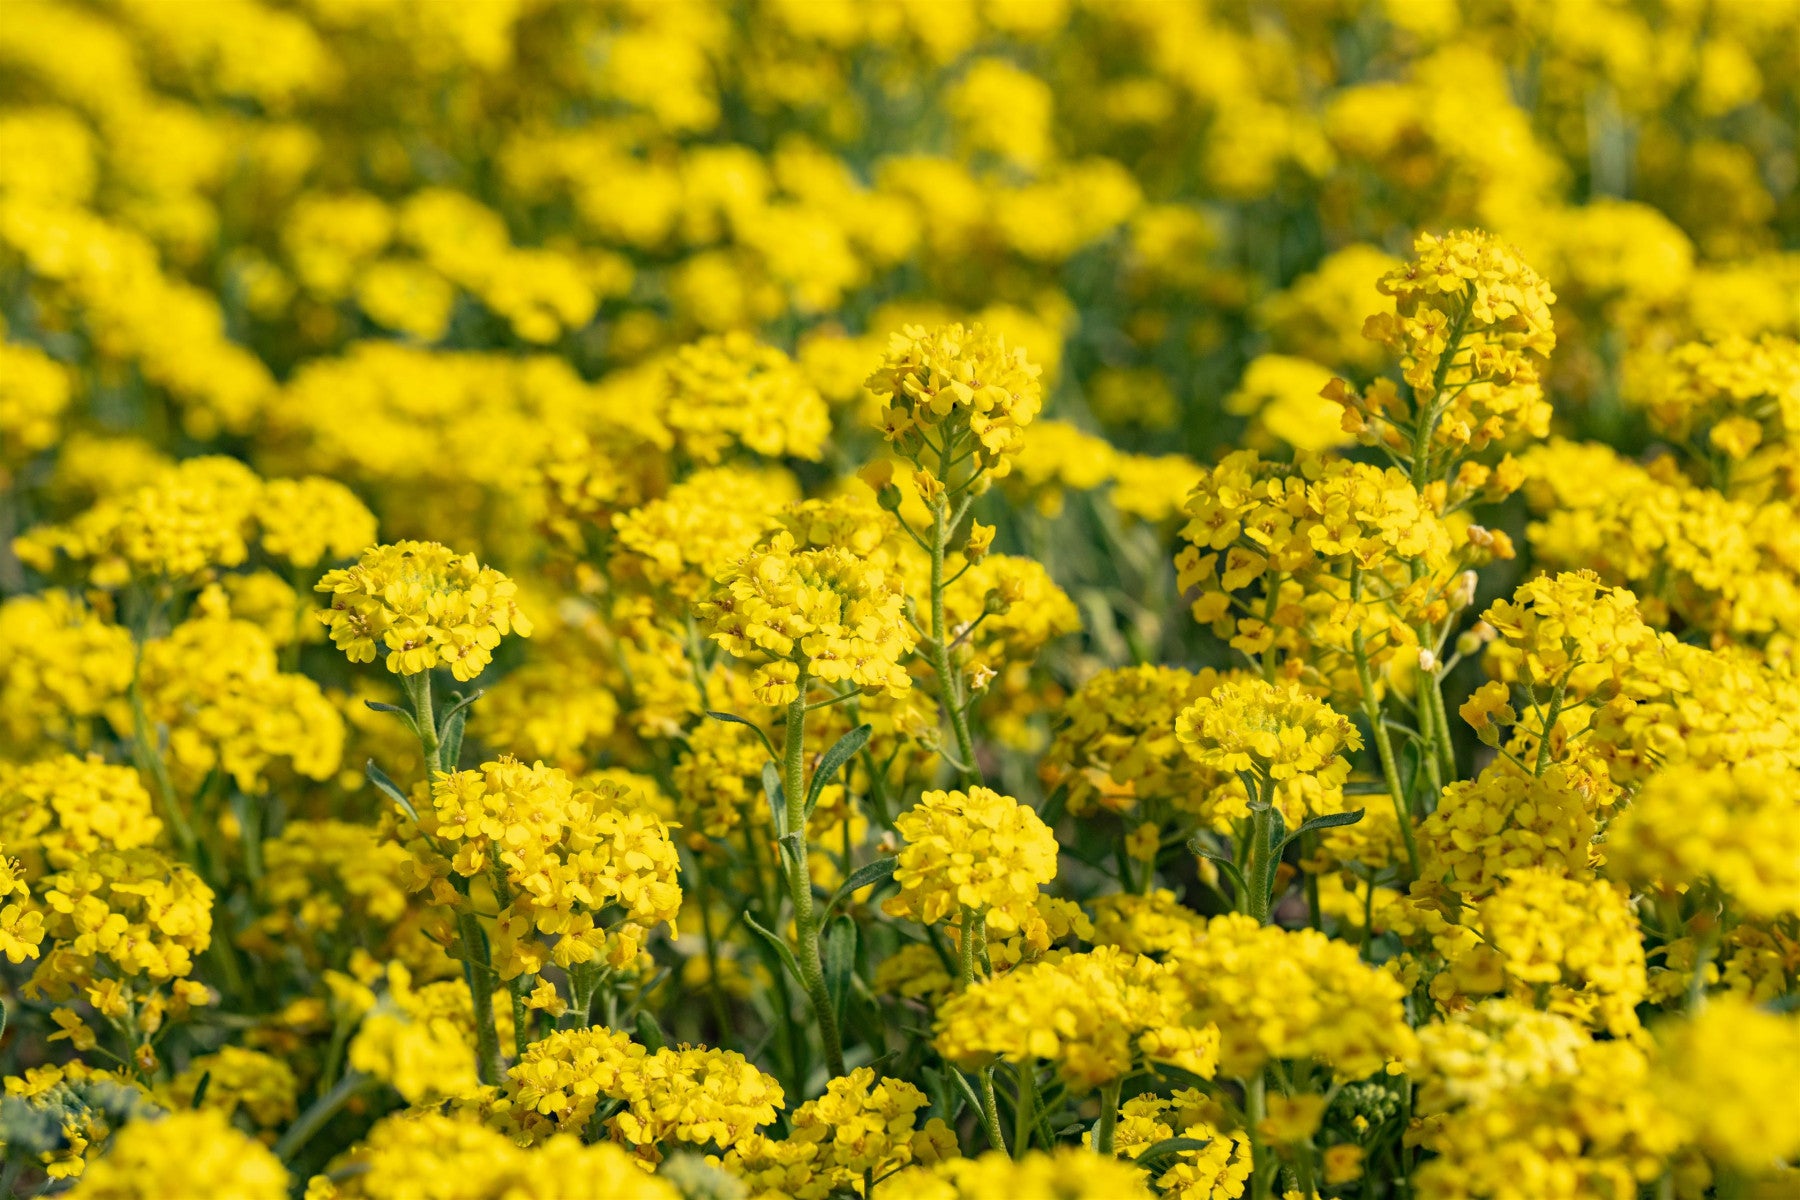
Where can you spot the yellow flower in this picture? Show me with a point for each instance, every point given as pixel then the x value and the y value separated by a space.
pixel 974 850
pixel 423 604
pixel 944 383
pixel 828 613
pixel 1276 730
pixel 193 1153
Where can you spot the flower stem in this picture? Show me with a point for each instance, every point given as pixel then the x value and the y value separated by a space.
pixel 806 926
pixel 1259 862
pixel 318 1113
pixel 1384 749
pixel 1109 1117
pixel 949 679
pixel 1263 1166
pixel 974 945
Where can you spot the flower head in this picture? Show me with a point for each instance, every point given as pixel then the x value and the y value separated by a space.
pixel 425 605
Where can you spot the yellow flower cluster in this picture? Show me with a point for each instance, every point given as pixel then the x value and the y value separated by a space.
pixel 1299 559
pixel 867 401
pixel 862 1128
pixel 975 851
pixel 818 614
pixel 1733 403
pixel 1471 329
pixel 1521 1102
pixel 941 385
pixel 1095 1016
pixel 1219 1170
pixel 1505 820
pixel 185 1152
pixel 1281 995
pixel 1068 1173
pixel 216 684
pixel 567 857
pixel 731 391
pixel 424 605
pixel 684 1094
pixel 118 914
pixel 1115 749
pixel 1724 1071
pixel 1570 944
pixel 420 1041
pixel 427 1155
pixel 60 666
pixel 1276 731
pixel 55 812
pixel 1734 829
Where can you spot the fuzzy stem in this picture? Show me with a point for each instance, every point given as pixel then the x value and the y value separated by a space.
pixel 1109 1117
pixel 806 926
pixel 1259 861
pixel 949 679
pixel 318 1113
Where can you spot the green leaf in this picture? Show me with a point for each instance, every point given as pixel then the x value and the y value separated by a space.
pixel 967 1089
pixel 461 703
pixel 451 739
pixel 781 948
pixel 380 779
pixel 777 797
pixel 649 1032
pixel 1199 850
pixel 862 877
pixel 1329 821
pixel 793 852
pixel 1160 1156
pixel 840 962
pixel 841 752
pixel 1054 804
pixel 378 706
pixel 200 1090
pixel 734 719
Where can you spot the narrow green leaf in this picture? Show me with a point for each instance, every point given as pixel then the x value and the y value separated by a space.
pixel 451 739
pixel 1329 821
pixel 781 948
pixel 875 872
pixel 777 797
pixel 200 1090
pixel 734 719
pixel 380 779
pixel 840 962
pixel 966 1088
pixel 1160 1156
pixel 649 1032
pixel 841 752
pixel 1199 850
pixel 378 706
pixel 1054 804
pixel 462 703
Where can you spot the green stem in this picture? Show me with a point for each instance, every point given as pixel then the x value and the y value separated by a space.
pixel 974 945
pixel 1384 746
pixel 1550 719
pixel 1264 1168
pixel 949 679
pixel 1259 860
pixel 1025 1110
pixel 478 972
pixel 806 926
pixel 318 1113
pixel 1109 1117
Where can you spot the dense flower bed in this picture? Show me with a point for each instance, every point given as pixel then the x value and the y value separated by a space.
pixel 904 598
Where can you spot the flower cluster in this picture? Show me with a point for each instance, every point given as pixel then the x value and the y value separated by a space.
pixel 940 385
pixel 592 868
pixel 423 605
pixel 972 852
pixel 1093 1015
pixel 822 614
pixel 1276 731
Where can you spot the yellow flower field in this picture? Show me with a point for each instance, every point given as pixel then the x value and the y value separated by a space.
pixel 907 599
